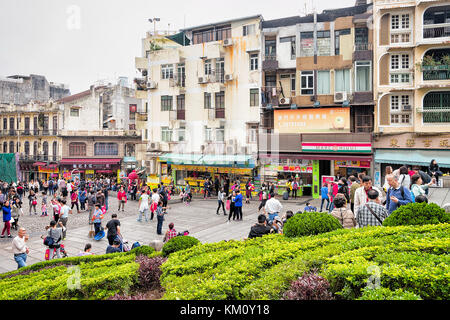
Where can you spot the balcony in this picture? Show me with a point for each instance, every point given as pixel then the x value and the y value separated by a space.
pixel 270 63
pixel 436 72
pixel 433 31
pixel 181 114
pixel 41 157
pixel 100 133
pixel 362 52
pixel 270 96
pixel 29 132
pixel 220 113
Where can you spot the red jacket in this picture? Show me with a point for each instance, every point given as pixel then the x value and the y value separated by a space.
pixel 122 196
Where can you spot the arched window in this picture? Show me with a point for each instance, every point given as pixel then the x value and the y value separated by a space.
pixel 436 107
pixel 436 64
pixel 35 149
pixel 5 147
pixel 45 150
pixel 27 149
pixel 77 149
pixel 436 22
pixel 55 150
pixel 106 149
pixel 11 147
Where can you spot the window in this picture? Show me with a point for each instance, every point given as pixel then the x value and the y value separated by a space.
pixel 400 28
pixel 55 150
pixel 74 112
pixel 77 149
pixel 306 44
pixel 271 48
pixel 167 71
pixel 220 134
pixel 440 16
pixel 27 148
pixel 208 67
pixel 207 100
pixel 182 134
pixel 220 100
pixel 166 134
pixel 363 77
pixel 307 82
pixel 337 42
pixel 220 70
pixel 5 147
pixel 27 125
pixel 342 80
pixel 400 64
pixel 106 149
pixel 5 123
pixel 400 109
pixel 395 21
pixel 208 134
pixel 291 40
pixel 35 149
pixel 254 97
pixel 181 102
pixel 323 82
pixel 248 30
pixel 55 124
pixel 166 103
pixel 293 84
pixel 436 107
pixel 11 147
pixel 361 38
pixel 254 61
pixel 252 133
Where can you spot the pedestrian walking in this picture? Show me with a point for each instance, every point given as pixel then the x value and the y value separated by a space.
pixel 91 200
pixel 16 210
pixel 122 198
pixel 144 206
pixel 353 187
pixel 56 209
pixel 64 216
pixel 74 200
pixel 160 213
pixel 6 208
pixel 97 218
pixel 82 196
pixel 273 207
pixel 55 233
pixel 221 201
pixel 113 227
pixel 232 198
pixel 20 249
pixel 295 187
pixel 32 199
pixel 324 194
pixel 154 204
pixel 238 206
pixel 44 205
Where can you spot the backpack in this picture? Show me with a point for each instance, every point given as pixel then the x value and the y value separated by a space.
pixel 135 245
pixel 402 191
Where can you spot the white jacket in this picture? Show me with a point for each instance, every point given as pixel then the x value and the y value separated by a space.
pixel 361 197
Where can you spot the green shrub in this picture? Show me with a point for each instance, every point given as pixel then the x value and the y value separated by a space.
pixel 310 223
pixel 143 250
pixel 417 214
pixel 387 294
pixel 178 244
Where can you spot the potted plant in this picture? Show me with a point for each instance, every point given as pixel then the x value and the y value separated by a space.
pixel 428 63
pixel 446 61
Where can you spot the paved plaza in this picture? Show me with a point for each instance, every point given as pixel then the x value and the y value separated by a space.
pixel 199 218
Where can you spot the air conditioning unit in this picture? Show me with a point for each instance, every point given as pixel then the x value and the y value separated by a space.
pixel 152 85
pixel 202 80
pixel 283 101
pixel 228 77
pixel 227 42
pixel 154 146
pixel 406 107
pixel 340 96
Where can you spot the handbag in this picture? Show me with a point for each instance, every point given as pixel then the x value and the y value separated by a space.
pixel 228 204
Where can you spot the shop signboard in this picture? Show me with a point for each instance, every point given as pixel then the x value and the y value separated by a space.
pixel 90 172
pixel 327 179
pixel 337 147
pixel 352 164
pixel 47 170
pixel 312 120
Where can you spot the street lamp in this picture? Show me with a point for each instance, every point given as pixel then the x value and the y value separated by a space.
pixel 154 20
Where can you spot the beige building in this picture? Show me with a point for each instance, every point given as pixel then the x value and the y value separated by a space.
pixel 412 82
pixel 203 91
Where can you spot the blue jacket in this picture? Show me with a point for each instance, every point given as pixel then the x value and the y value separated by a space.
pixel 6 213
pixel 324 192
pixel 391 206
pixel 238 200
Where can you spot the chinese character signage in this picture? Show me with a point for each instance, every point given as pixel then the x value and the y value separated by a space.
pixel 312 120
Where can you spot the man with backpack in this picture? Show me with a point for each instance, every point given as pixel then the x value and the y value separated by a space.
pixel 397 195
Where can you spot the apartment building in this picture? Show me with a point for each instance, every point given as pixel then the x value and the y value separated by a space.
pixel 317 97
pixel 412 81
pixel 203 90
pixel 99 131
pixel 33 132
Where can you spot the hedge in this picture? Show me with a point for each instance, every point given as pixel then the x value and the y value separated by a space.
pixel 310 223
pixel 178 243
pixel 411 258
pixel 417 214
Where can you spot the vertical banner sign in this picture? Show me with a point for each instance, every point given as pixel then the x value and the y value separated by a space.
pixel 118 176
pixel 316 180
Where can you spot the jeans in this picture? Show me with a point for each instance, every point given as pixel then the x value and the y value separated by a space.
pixel 106 202
pixel 145 212
pixel 272 216
pixel 238 213
pixel 64 222
pixel 160 223
pixel 97 227
pixel 21 260
pixel 223 207
pixel 328 204
pixel 54 251
pixel 331 207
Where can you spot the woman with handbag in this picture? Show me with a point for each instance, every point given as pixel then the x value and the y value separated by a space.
pixel 33 201
pixel 6 208
pixel 122 197
pixel 53 239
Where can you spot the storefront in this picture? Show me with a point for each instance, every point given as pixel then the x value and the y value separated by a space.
pixel 195 169
pixel 413 151
pixel 48 172
pixel 91 168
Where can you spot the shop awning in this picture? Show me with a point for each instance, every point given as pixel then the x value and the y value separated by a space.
pixel 316 157
pixel 228 160
pixel 176 158
pixel 413 157
pixel 89 161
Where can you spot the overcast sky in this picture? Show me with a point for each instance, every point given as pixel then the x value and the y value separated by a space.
pixel 77 42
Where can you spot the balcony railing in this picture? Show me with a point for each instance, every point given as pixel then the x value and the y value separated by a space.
pixel 41 157
pixel 363 46
pixel 436 31
pixel 29 132
pixel 100 133
pixel 441 72
pixel 270 95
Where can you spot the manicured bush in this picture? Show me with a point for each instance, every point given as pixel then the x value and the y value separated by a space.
pixel 149 271
pixel 417 214
pixel 179 243
pixel 411 258
pixel 310 286
pixel 310 223
pixel 143 250
pixel 387 294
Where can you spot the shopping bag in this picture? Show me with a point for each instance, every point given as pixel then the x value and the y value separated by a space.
pixel 228 205
pixel 47 254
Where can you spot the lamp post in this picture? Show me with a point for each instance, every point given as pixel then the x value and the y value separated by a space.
pixel 154 20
